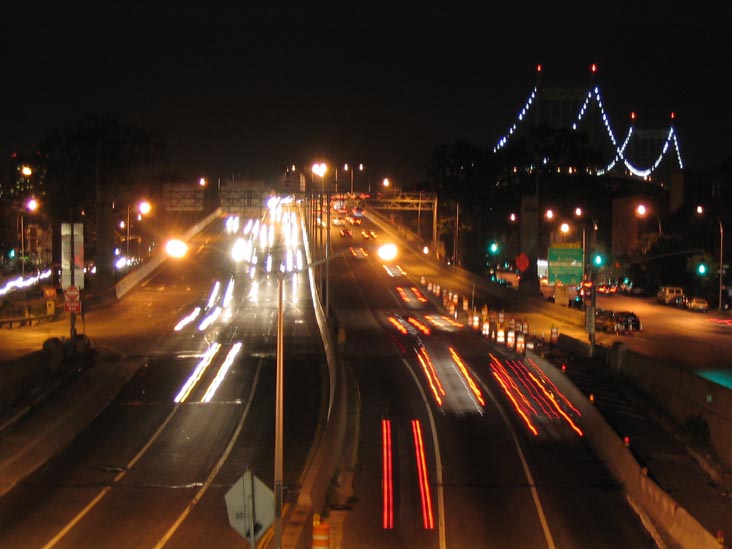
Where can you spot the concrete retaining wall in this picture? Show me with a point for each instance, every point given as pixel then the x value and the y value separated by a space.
pixel 322 467
pixel 683 395
pixel 27 376
pixel 134 278
pixel 665 518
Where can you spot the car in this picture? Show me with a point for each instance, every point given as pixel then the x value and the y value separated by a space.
pixel 666 294
pixel 628 321
pixel 605 321
pixel 607 289
pixel 339 221
pixel 346 233
pixel 698 304
pixel 679 301
pixel 358 252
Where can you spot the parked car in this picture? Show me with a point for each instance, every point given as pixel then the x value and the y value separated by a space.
pixel 605 321
pixel 607 289
pixel 666 294
pixel 698 304
pixel 628 321
pixel 679 301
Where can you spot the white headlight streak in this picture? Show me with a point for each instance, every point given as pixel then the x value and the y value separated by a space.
pixel 197 372
pixel 188 319
pixel 211 391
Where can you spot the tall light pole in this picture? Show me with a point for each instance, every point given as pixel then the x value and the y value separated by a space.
pixel 321 169
pixel 280 393
pixel 700 210
pixel 642 211
pixel 143 208
pixel 580 213
pixel 31 206
pixel 352 169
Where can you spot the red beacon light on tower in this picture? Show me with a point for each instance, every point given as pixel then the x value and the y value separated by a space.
pixel 593 68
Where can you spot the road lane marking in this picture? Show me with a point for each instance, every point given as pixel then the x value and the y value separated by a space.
pixel 219 464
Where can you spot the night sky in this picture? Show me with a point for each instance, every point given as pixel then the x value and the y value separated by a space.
pixel 252 90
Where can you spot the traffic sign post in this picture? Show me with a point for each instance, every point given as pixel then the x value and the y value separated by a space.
pixel 72 304
pixel 250 505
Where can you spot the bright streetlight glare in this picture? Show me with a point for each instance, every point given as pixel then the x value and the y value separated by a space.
pixel 386 182
pixel 26 171
pixel 32 205
pixel 176 248
pixel 387 252
pixel 144 207
pixel 641 210
pixel 202 182
pixel 564 228
pixel 425 250
pixel 320 169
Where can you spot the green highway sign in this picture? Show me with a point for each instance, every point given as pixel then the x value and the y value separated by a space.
pixel 565 264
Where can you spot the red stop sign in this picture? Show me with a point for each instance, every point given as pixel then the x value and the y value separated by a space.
pixel 522 262
pixel 72 293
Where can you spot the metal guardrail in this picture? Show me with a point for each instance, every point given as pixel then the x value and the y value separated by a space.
pixel 21 321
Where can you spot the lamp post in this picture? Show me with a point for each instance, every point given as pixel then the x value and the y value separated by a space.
pixel 31 206
pixel 143 208
pixel 352 169
pixel 580 213
pixel 279 394
pixel 321 169
pixel 642 211
pixel 700 210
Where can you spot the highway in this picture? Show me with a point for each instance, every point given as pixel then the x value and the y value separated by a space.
pixel 447 455
pixel 454 441
pixel 153 468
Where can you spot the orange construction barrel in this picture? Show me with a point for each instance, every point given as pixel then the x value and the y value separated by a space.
pixel 321 536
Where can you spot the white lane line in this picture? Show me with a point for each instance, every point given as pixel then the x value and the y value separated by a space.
pixel 527 471
pixel 81 514
pixel 229 448
pixel 438 461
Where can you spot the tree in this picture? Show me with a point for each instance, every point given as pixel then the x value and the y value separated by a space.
pixel 97 153
pixel 90 164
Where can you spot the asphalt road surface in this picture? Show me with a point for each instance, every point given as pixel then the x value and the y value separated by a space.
pixel 457 446
pixel 152 470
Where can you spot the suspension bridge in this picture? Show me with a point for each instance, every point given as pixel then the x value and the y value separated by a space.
pixel 570 107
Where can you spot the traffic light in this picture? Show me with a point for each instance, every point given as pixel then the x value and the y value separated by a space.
pixel 702 269
pixel 597 260
pixel 493 248
pixel 11 253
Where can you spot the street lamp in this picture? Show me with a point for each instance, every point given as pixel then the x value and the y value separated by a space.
pixel 31 206
pixel 700 210
pixel 143 208
pixel 279 389
pixel 642 211
pixel 352 169
pixel 321 169
pixel 580 213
